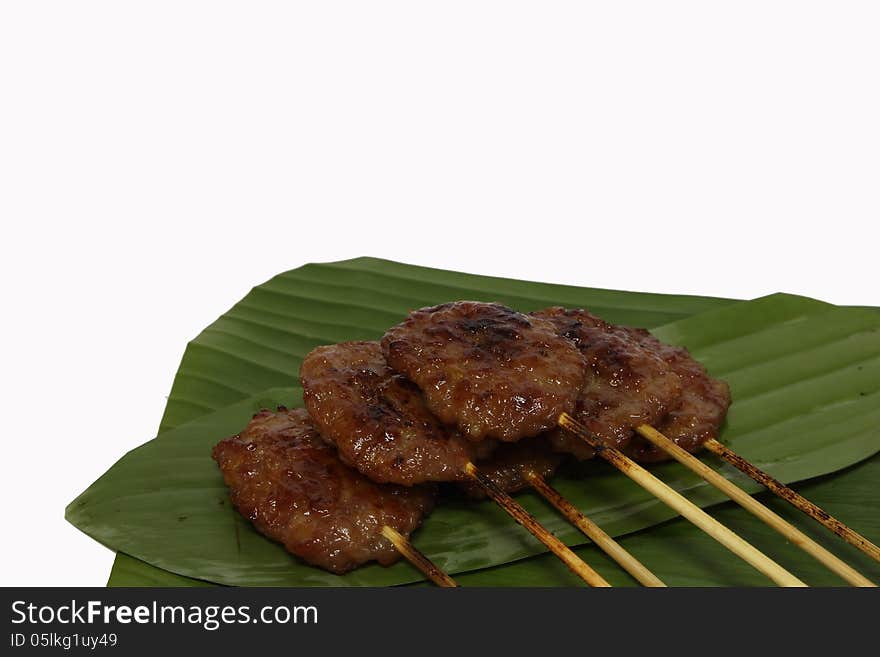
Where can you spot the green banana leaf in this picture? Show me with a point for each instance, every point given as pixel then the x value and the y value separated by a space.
pixel 312 300
pixel 683 554
pixel 805 379
pixel 130 572
pixel 315 291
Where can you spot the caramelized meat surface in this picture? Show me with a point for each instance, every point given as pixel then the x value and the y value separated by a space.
pixel 378 419
pixel 628 382
pixel 699 412
pixel 292 487
pixel 491 371
pixel 507 465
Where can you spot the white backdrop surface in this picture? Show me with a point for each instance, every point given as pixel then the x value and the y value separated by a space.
pixel 159 159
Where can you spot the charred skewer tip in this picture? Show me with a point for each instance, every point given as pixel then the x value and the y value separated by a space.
pixel 595 533
pixel 416 558
pixel 683 506
pixel 794 498
pixel 754 507
pixel 527 520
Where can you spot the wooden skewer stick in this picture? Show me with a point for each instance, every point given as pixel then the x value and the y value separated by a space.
pixel 793 497
pixel 527 520
pixel 754 507
pixel 595 533
pixel 685 507
pixel 416 558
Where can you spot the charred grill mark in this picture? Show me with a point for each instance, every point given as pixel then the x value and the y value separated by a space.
pixel 377 419
pixel 474 325
pixel 376 412
pixel 628 384
pixel 476 362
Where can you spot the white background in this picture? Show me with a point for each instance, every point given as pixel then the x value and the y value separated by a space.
pixel 158 160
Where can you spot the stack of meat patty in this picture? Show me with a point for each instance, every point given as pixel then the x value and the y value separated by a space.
pixel 452 384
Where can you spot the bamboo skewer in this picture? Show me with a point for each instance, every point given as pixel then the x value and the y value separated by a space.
pixel 796 499
pixel 595 533
pixel 524 518
pixel 754 507
pixel 416 558
pixel 685 507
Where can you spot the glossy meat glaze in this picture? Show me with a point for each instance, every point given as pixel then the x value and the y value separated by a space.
pixel 294 489
pixel 491 371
